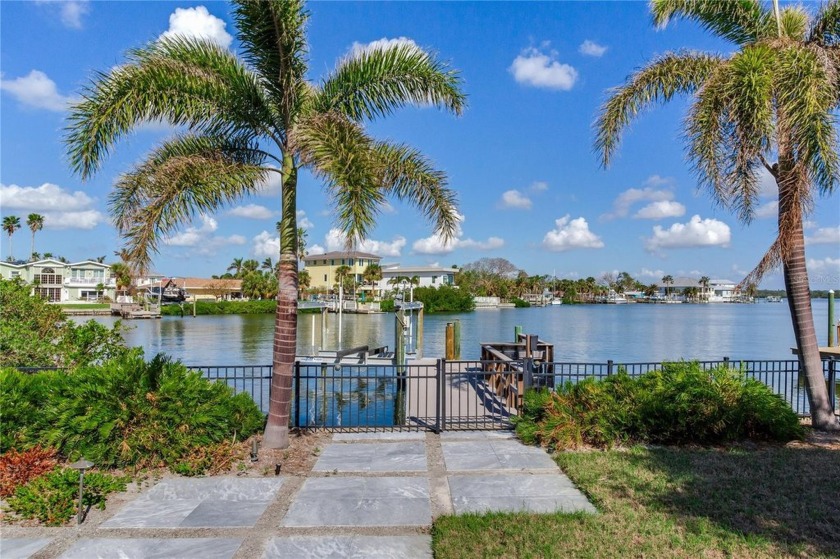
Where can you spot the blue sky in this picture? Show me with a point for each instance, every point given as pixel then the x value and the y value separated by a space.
pixel 521 159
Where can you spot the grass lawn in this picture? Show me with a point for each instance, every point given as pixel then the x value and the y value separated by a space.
pixel 667 502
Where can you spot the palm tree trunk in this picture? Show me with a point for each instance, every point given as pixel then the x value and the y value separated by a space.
pixel 285 324
pixel 32 250
pixel 799 302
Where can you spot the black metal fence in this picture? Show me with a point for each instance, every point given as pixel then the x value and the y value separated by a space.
pixel 452 395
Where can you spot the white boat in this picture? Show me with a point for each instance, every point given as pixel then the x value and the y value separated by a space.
pixel 557 301
pixel 774 299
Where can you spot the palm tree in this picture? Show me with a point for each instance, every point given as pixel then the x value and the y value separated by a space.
pixel 773 97
pixel 301 244
pixel 666 281
pixel 341 275
pixel 35 223
pixel 303 281
pixel 372 274
pixel 236 267
pixel 704 282
pixel 11 223
pixel 244 118
pixel 267 264
pixel 249 266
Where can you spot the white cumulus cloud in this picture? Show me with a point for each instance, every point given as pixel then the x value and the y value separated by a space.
pixel 303 221
pixel 570 234
pixel 198 22
pixel 661 210
pixel 266 245
pixel 824 271
pixel 591 48
pixel 202 238
pixel 824 236
pixel 696 233
pixel 337 240
pixel 767 210
pixel 538 186
pixel 539 69
pixel 515 199
pixel 651 191
pixel 37 90
pixel 252 211
pixel 316 249
pixel 647 273
pixel 381 44
pixel 436 244
pixel 61 209
pixel 71 12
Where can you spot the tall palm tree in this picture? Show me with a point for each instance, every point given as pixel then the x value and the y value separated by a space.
pixel 704 282
pixel 247 117
pixel 341 275
pixel 35 223
pixel 267 264
pixel 249 266
pixel 768 104
pixel 667 281
pixel 236 267
pixel 11 223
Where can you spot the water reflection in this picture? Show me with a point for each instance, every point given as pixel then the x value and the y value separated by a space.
pixel 580 333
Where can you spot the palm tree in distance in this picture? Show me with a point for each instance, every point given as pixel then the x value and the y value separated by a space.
pixel 704 283
pixel 769 104
pixel 666 281
pixel 236 267
pixel 11 223
pixel 35 223
pixel 247 117
pixel 342 273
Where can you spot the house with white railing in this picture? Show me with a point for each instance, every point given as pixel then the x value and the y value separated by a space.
pixel 64 282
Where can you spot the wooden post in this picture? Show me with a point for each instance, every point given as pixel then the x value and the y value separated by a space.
pixel 830 317
pixel 450 341
pixel 399 361
pixel 517 331
pixel 456 335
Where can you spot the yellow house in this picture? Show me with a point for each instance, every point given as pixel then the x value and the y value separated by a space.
pixel 322 267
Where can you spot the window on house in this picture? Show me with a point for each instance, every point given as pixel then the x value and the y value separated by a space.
pixel 350 262
pixel 15 274
pixel 434 279
pixel 325 277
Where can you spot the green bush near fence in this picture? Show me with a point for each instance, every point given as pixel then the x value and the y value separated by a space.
pixel 681 403
pixel 444 299
pixel 125 412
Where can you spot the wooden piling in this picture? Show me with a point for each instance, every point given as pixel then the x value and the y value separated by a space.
pixel 517 331
pixel 450 342
pixel 456 335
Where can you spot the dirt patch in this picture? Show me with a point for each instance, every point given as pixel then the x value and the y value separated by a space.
pixel 304 448
pixel 819 439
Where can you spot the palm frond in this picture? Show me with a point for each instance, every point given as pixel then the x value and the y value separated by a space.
pixel 375 82
pixel 673 73
pixel 184 177
pixel 410 177
pixel 771 260
pixel 341 154
pixel 794 21
pixel 825 29
pixel 807 96
pixel 272 34
pixel 739 21
pixel 185 82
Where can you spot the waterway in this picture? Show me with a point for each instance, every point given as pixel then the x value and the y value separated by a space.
pixel 581 333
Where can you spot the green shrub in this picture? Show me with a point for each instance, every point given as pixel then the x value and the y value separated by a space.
pixel 387 305
pixel 444 299
pixel 680 403
pixel 34 333
pixel 264 306
pixel 520 303
pixel 53 497
pixel 126 412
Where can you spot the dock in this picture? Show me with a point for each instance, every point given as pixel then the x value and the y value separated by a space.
pixel 132 311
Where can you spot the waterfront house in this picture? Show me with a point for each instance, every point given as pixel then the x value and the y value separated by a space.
pixel 322 267
pixel 64 282
pixel 426 276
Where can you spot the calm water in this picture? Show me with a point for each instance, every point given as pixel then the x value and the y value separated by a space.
pixel 585 333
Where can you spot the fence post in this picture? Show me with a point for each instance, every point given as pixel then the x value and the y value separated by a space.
pixel 442 394
pixel 609 367
pixel 297 394
pixel 439 381
pixel 726 362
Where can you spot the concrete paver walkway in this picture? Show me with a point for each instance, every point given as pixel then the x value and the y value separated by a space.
pixel 368 495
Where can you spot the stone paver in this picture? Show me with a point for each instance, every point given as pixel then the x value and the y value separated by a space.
pixel 484 455
pixel 149 548
pixel 21 548
pixel 213 502
pixel 391 480
pixel 351 547
pixel 381 436
pixel 373 457
pixel 361 501
pixel 516 493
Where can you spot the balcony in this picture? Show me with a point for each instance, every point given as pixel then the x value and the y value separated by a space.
pixel 82 282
